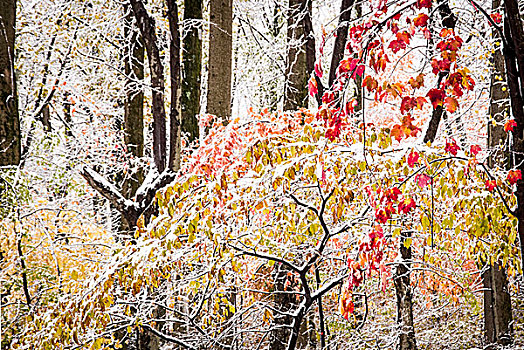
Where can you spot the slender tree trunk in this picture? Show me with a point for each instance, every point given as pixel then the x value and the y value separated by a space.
pixel 220 58
pixel 497 300
pixel 174 67
pixel 341 39
pixel 191 67
pixel 10 137
pixel 146 24
pixel 283 301
pixel 133 108
pixel 296 92
pixel 497 307
pixel 402 281
pixel 449 20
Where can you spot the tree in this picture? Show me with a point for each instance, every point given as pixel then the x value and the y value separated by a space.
pixel 297 75
pixel 10 137
pixel 191 67
pixel 338 220
pixel 132 209
pixel 497 300
pixel 220 58
pixel 133 105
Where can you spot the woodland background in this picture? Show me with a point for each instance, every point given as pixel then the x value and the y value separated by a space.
pixel 269 174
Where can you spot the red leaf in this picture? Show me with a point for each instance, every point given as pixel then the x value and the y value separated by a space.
pixel 475 149
pixel 413 159
pixel 496 17
pixel 510 124
pixel 407 104
pixel 452 147
pixel 392 194
pixel 424 3
pixel 422 180
pixel 406 205
pixel 436 96
pixel 418 82
pixel 397 132
pixel 328 97
pixel 446 32
pixel 403 36
pixel 397 45
pixel 318 69
pixel 421 20
pixel 514 176
pixel 370 83
pixel 491 184
pixel 359 71
pixel 382 216
pixel 451 104
pixel 312 85
pixel 420 102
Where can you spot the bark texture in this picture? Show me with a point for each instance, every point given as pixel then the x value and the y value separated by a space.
pixel 174 69
pixel 134 103
pixel 340 39
pixel 10 137
pixel 513 53
pixel 497 300
pixel 191 68
pixel 402 281
pixel 296 91
pixel 449 20
pixel 284 302
pixel 147 31
pixel 220 58
pixel 497 307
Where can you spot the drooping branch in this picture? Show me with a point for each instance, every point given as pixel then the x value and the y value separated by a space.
pixel 167 337
pixel 146 192
pixel 106 189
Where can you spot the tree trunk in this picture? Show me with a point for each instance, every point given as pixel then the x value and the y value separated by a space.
pixel 296 92
pixel 514 59
pixel 340 40
pixel 146 24
pixel 191 68
pixel 449 20
pixel 133 108
pixel 10 143
pixel 403 290
pixel 174 68
pixel 497 300
pixel 497 307
pixel 220 58
pixel 283 301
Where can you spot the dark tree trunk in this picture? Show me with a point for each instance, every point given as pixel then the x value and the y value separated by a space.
pixel 449 20
pixel 341 39
pixel 133 107
pixel 497 307
pixel 10 143
pixel 403 290
pixel 309 36
pixel 497 300
pixel 284 301
pixel 174 68
pixel 146 24
pixel 514 59
pixel 220 58
pixel 296 92
pixel 191 68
